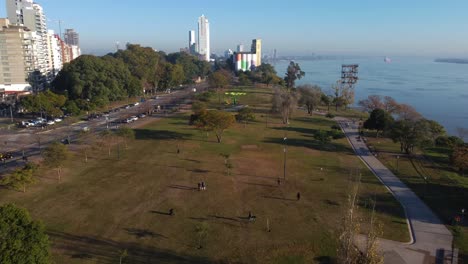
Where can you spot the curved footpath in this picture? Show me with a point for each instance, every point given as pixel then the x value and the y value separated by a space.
pixel 431 241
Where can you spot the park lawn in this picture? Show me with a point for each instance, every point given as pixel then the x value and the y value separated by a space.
pixel 444 190
pixel 108 204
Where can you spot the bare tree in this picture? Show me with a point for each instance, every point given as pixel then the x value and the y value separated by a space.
pixel 390 105
pixel 284 103
pixel 407 112
pixel 371 103
pixel 311 96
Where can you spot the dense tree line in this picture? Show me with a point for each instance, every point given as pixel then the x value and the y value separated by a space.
pixel 89 81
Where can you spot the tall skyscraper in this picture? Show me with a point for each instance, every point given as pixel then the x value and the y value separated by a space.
pixel 192 42
pixel 204 37
pixel 257 50
pixel 71 37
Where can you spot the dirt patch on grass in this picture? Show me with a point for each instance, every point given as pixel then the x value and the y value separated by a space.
pixel 249 147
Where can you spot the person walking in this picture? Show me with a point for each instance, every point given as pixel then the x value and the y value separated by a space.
pixel 298 196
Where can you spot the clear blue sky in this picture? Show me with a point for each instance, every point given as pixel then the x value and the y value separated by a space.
pixel 364 27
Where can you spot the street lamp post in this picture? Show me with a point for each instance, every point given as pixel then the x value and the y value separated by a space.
pixel 284 158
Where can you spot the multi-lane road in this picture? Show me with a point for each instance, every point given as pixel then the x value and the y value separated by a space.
pixel 28 142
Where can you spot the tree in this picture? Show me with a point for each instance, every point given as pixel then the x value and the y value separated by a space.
pixel 459 157
pixel 219 80
pixel 55 156
pixel 293 73
pixel 347 251
pixel 371 103
pixel 379 120
pixel 126 134
pixel 216 121
pixel 322 136
pixel 407 112
pixel 284 103
pixel 310 96
pixel 390 105
pixel 435 129
pixel 326 100
pixel 22 239
pixel 338 100
pixel 410 134
pixel 20 178
pixel 201 231
pixel 46 102
pixel 245 115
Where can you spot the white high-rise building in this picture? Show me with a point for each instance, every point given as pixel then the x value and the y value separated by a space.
pixel 204 37
pixel 31 15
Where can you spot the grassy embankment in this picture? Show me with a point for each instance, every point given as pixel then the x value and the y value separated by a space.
pixel 108 204
pixel 431 177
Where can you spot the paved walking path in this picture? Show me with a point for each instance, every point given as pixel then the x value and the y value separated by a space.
pixel 431 241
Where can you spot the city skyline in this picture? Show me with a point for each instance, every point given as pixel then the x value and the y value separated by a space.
pixel 420 28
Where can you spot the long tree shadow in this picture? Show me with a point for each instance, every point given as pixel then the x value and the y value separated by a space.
pixel 312 144
pixel 108 251
pixel 143 233
pixel 315 121
pixel 146 134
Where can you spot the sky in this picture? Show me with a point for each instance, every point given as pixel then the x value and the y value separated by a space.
pixel 301 27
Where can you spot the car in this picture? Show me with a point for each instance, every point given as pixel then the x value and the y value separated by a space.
pixel 136 104
pixel 85 129
pixel 127 106
pixel 50 122
pixel 141 116
pixel 134 118
pixel 128 120
pixel 58 120
pixel 65 141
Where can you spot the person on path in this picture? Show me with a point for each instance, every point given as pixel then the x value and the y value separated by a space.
pixel 171 212
pixel 199 186
pixel 298 196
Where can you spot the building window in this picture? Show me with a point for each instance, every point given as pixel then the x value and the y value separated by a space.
pixel 6 75
pixel 7 81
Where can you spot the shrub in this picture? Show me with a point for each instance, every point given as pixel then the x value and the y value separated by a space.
pixel 329 115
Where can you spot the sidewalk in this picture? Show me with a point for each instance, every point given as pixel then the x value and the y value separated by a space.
pixel 431 241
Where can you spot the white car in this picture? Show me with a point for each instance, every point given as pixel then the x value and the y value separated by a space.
pixel 50 122
pixel 136 104
pixel 134 118
pixel 58 120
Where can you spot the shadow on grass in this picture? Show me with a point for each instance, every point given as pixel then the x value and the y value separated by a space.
pixel 279 198
pixel 143 233
pixel 146 134
pixel 181 187
pixel 316 121
pixel 108 251
pixel 312 144
pixel 160 213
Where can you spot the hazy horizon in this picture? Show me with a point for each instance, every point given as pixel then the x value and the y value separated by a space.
pixel 397 28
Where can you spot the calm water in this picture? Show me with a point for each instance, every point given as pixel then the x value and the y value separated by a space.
pixel 439 91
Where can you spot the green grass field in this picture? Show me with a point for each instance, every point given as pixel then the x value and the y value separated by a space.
pixel 108 204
